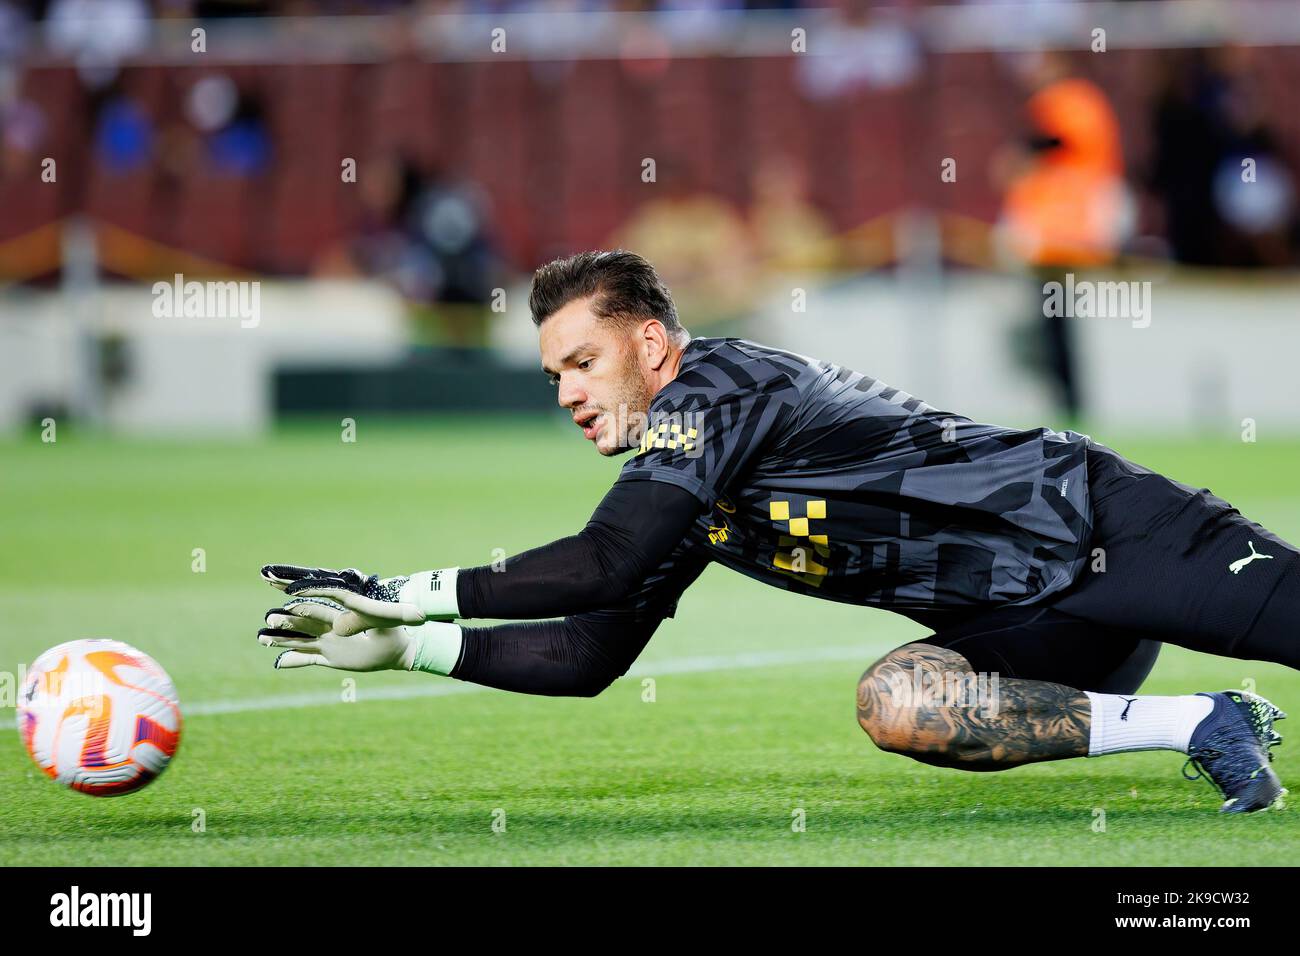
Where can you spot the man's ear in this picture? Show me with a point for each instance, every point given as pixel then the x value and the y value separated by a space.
pixel 654 338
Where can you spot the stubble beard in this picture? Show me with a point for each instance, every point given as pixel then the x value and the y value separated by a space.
pixel 629 411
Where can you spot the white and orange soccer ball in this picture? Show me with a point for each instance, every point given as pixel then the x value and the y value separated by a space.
pixel 99 716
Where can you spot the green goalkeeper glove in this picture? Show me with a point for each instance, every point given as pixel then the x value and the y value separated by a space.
pixel 306 629
pixel 371 601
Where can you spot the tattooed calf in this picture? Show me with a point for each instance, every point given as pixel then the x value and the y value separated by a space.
pixel 1027 721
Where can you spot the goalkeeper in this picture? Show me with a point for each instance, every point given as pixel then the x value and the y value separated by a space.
pixel 1041 557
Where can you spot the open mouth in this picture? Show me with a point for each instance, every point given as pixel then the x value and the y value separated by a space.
pixel 588 424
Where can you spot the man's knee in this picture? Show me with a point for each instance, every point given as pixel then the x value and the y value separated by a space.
pixel 893 700
pixel 886 700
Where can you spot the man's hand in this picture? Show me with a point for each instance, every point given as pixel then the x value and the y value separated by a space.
pixel 306 628
pixel 370 602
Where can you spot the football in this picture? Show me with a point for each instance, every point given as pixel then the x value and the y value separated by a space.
pixel 99 716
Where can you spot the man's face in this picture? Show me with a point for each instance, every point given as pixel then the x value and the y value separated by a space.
pixel 600 374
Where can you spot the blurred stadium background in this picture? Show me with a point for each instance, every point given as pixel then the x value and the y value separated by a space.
pixel 888 186
pixel 907 177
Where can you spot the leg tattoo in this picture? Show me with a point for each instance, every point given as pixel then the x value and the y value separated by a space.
pixel 1028 721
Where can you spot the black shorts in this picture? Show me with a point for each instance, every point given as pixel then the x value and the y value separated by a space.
pixel 1169 564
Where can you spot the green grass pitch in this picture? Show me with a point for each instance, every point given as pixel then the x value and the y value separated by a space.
pixel 752 719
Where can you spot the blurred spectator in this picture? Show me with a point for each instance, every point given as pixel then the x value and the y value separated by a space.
pixel 1065 207
pixel 449 219
pixel 1064 197
pixel 242 146
pixel 124 134
pixel 790 234
pixel 211 102
pixel 1207 123
pixel 97 34
pixel 697 241
pixel 871 47
pixel 225 123
pixel 15 32
pixel 378 240
pixel 23 126
pixel 1188 148
pixel 427 234
pixel 696 20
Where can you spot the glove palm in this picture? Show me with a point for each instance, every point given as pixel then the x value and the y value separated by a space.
pixel 307 630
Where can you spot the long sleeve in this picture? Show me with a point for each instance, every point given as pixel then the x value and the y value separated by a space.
pixel 635 528
pixel 573 657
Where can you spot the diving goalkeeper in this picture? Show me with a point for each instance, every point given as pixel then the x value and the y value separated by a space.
pixel 1041 557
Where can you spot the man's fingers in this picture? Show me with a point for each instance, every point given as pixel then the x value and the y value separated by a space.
pixel 350 622
pixel 313 609
pixel 310 616
pixel 282 575
pixel 349 579
pixel 381 613
pixel 286 637
pixel 313 588
pixel 314 582
pixel 279 621
pixel 291 659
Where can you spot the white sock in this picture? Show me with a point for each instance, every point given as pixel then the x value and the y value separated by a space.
pixel 1141 722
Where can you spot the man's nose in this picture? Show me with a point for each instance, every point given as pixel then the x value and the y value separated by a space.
pixel 570 395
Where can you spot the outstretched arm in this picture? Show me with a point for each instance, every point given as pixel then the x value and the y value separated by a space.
pixel 574 657
pixel 634 529
pixel 579 655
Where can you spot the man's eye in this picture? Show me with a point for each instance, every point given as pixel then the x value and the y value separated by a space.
pixel 584 363
pixel 553 379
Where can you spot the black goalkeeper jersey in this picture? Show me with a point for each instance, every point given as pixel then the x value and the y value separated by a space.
pixel 821 480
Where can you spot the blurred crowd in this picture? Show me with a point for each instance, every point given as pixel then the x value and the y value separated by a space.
pixel 123 11
pixel 1199 171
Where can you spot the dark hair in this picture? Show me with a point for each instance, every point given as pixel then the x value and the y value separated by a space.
pixel 626 288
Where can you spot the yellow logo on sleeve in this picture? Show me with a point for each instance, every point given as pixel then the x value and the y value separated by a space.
pixel 668 435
